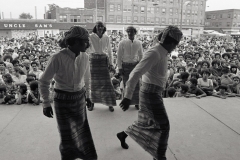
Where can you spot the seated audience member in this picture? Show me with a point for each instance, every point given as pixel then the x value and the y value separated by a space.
pixel 179 71
pixel 205 83
pixel 34 95
pixel 194 91
pixel 10 89
pixel 17 77
pixel 183 91
pixel 3 92
pixel 225 78
pixel 35 69
pixel 171 92
pixel 222 93
pixel 235 87
pixel 21 96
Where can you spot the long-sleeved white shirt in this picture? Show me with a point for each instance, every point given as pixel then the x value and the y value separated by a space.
pixel 129 52
pixel 70 73
pixel 101 45
pixel 152 68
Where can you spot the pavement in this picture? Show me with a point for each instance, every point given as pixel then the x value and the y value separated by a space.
pixel 201 129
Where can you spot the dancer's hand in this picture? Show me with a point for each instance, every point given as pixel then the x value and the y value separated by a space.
pixel 125 104
pixel 48 112
pixel 89 102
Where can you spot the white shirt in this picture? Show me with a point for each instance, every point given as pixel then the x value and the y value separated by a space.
pixel 129 52
pixel 101 45
pixel 70 74
pixel 153 69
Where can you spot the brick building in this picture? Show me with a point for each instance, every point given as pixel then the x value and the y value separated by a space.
pixel 225 21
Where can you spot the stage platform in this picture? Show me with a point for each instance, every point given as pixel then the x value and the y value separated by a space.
pixel 201 129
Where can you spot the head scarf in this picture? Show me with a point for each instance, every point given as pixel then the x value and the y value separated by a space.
pixel 173 32
pixel 76 32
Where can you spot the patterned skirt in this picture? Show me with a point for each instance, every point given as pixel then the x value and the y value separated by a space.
pixel 151 131
pixel 102 90
pixel 75 134
pixel 127 69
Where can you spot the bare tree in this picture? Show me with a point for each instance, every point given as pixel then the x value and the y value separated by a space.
pixel 25 16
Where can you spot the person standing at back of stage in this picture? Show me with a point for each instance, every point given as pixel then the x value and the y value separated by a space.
pixel 101 60
pixel 129 53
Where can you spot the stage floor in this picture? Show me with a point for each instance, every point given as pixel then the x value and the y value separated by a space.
pixel 201 129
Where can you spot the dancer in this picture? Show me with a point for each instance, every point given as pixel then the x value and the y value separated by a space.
pixel 102 90
pixel 129 53
pixel 70 70
pixel 151 131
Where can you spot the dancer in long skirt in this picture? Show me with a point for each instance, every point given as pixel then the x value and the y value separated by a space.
pixel 151 130
pixel 71 71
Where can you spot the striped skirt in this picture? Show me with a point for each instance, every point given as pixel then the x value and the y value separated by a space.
pixel 127 69
pixel 151 131
pixel 75 134
pixel 102 90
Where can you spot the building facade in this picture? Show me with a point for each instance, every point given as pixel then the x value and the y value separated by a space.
pixel 225 21
pixel 76 15
pixel 22 28
pixel 150 15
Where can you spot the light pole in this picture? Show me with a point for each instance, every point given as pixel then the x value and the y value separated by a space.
pixel 96 11
pixel 182 12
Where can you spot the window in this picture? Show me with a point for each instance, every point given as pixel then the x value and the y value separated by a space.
pixel 129 8
pixel 63 18
pixel 234 24
pixel 163 10
pixel 111 18
pixel 188 21
pixel 170 21
pixel 195 22
pixel 157 10
pixel 88 19
pixel 142 19
pixel 148 20
pixel 171 2
pixel 152 20
pixel 213 16
pixel 135 19
pixel 228 24
pixel 196 13
pixel 238 24
pixel 209 17
pixel 229 15
pixel 148 9
pixel 188 12
pixel 201 3
pixel 235 16
pixel 193 13
pixel 124 8
pixel 220 23
pixel 129 19
pixel 111 7
pixel 171 11
pixel 119 7
pixel 135 9
pixel 152 10
pixel 239 16
pixel 157 20
pixel 176 11
pixel 163 20
pixel 175 21
pixel 74 18
pixel 100 18
pixel 119 19
pixel 164 2
pixel 124 19
pixel 142 9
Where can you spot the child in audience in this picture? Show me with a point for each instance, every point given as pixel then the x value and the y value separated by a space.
pixel 183 91
pixel 205 83
pixel 225 78
pixel 222 93
pixel 34 95
pixel 10 89
pixel 194 91
pixel 235 87
pixel 2 92
pixel 171 92
pixel 21 96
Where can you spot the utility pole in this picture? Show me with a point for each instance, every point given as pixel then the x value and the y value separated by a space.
pixel 96 11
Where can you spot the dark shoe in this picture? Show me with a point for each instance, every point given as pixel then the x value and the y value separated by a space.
pixel 90 108
pixel 122 136
pixel 137 107
pixel 111 108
